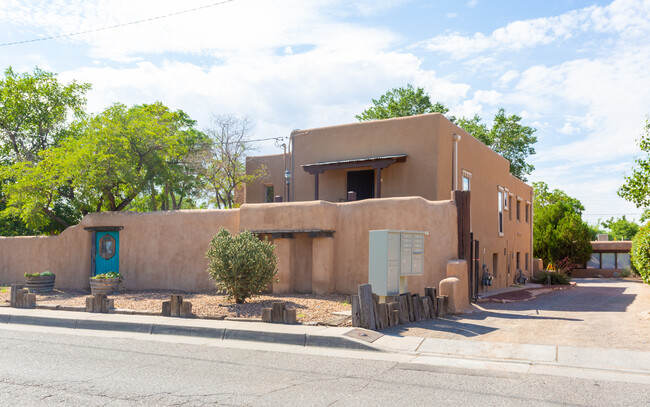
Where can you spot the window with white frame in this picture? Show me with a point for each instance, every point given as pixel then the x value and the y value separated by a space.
pixel 467 180
pixel 506 199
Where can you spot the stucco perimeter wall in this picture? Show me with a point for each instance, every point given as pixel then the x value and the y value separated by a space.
pixel 351 222
pixel 156 249
pixel 356 219
pixel 66 255
pixel 166 250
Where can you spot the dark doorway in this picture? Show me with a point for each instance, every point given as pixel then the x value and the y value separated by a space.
pixel 363 183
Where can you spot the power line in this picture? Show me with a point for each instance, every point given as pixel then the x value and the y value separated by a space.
pixel 117 25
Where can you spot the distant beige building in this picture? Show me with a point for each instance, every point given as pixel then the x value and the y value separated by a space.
pixel 402 157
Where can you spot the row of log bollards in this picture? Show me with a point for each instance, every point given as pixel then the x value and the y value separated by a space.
pixel 369 313
pixel 20 297
pixel 279 314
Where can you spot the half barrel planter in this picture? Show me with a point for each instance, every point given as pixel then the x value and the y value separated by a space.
pixel 40 284
pixel 104 285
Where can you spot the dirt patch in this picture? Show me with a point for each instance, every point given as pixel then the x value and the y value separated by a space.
pixel 309 307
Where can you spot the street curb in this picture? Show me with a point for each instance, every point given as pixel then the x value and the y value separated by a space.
pixel 297 339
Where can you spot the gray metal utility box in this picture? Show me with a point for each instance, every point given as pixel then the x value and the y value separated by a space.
pixel 394 255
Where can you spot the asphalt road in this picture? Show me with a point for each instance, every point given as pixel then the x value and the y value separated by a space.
pixel 46 369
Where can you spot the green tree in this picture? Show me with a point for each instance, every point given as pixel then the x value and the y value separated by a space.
pixel 34 112
pixel 400 102
pixel 640 254
pixel 109 161
pixel 620 229
pixel 507 136
pixel 558 229
pixel 637 186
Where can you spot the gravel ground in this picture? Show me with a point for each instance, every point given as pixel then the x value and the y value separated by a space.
pixel 309 307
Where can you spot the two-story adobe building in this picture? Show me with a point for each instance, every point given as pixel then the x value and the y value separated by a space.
pixel 426 156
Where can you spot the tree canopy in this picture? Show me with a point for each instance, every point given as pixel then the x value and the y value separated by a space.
pixel 637 186
pixel 559 232
pixel 620 229
pixel 111 159
pixel 34 112
pixel 400 102
pixel 507 136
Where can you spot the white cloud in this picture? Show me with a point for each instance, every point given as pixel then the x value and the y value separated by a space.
pixel 631 18
pixel 569 129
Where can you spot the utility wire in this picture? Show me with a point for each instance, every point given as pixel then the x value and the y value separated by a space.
pixel 117 25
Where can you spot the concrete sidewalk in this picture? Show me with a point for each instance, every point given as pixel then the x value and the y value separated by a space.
pixel 523 358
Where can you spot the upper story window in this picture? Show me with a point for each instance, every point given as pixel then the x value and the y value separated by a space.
pixel 505 199
pixel 269 195
pixel 500 217
pixel 527 211
pixel 467 180
pixel 519 209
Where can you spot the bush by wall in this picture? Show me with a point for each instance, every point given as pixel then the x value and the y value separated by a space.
pixel 557 278
pixel 242 265
pixel 641 253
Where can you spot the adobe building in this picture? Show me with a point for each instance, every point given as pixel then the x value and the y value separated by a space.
pixel 402 171
pixel 425 156
pixel 608 258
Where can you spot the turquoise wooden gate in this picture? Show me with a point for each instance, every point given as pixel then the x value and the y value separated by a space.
pixel 107 252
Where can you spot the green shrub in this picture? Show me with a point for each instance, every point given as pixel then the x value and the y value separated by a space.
pixel 110 274
pixel 640 253
pixel 43 274
pixel 557 278
pixel 242 265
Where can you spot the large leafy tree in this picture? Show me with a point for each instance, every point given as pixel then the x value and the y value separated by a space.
pixel 400 102
pixel 34 112
pixel 111 159
pixel 507 136
pixel 621 228
pixel 637 186
pixel 558 228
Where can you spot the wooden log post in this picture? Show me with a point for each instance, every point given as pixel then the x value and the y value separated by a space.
pixel 432 293
pixel 367 307
pixel 21 298
pixel 403 309
pixel 393 313
pixel 442 305
pixel 277 312
pixel 186 309
pixel 426 307
pixel 266 314
pixel 289 316
pixel 356 311
pixel 13 301
pixel 167 308
pixel 176 301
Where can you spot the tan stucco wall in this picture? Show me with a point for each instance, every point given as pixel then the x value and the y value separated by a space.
pixel 66 255
pixel 167 249
pixel 427 172
pixel 157 249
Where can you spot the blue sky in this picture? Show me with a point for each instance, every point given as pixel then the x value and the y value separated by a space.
pixel 576 70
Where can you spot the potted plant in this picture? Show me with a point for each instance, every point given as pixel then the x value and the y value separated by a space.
pixel 105 283
pixel 40 282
